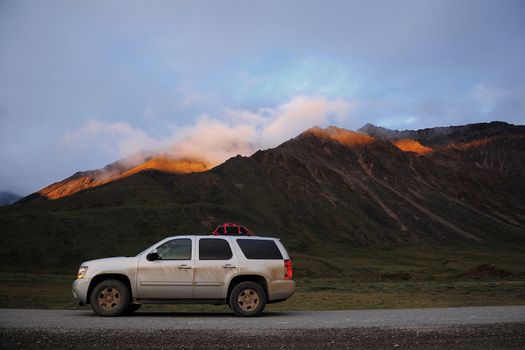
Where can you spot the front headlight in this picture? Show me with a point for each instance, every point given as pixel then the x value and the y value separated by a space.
pixel 82 272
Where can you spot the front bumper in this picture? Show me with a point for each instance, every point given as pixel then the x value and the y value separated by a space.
pixel 80 290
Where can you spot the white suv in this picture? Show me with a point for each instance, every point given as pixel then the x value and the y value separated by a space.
pixel 244 272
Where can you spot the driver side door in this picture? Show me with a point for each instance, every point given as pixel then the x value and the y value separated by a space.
pixel 170 276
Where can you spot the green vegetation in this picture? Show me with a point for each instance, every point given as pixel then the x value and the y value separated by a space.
pixel 338 295
pixel 40 291
pixel 422 263
pixel 54 292
pixel 367 278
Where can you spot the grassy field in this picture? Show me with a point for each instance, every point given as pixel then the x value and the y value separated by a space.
pixel 54 292
pixel 402 277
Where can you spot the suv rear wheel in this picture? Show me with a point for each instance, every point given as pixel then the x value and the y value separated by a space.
pixel 110 298
pixel 247 299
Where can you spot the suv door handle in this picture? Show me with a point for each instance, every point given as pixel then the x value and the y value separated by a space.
pixel 229 266
pixel 184 266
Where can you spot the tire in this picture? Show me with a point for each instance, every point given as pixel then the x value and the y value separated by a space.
pixel 110 298
pixel 132 308
pixel 247 299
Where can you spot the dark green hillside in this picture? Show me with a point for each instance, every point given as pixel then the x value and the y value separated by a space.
pixel 334 197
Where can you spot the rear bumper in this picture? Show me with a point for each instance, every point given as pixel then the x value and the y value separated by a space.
pixel 80 290
pixel 281 290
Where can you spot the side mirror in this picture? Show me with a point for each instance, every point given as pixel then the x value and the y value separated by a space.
pixel 153 255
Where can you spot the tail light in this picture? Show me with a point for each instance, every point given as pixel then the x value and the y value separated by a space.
pixel 288 270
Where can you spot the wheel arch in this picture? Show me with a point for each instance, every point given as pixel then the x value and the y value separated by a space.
pixel 261 280
pixel 109 276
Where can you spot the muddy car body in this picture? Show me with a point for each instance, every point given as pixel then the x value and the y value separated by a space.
pixel 244 272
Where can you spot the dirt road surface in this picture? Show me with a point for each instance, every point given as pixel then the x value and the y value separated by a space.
pixel 456 328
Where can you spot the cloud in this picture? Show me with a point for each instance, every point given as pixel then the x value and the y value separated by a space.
pixel 189 97
pixel 213 139
pixel 117 139
pixel 300 113
pixel 500 103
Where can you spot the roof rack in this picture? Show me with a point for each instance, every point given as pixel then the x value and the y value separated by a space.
pixel 231 229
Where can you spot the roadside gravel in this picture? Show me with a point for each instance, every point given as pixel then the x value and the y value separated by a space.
pixel 454 328
pixel 500 336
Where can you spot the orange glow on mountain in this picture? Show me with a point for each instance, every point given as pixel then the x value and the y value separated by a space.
pixel 168 165
pixel 471 144
pixel 90 179
pixel 343 136
pixel 409 145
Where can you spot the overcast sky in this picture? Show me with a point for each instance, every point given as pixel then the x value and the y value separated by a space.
pixel 84 83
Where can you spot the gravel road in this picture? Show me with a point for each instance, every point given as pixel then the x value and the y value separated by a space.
pixel 462 328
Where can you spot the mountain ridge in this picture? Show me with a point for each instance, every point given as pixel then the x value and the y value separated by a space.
pixel 83 180
pixel 444 134
pixel 405 140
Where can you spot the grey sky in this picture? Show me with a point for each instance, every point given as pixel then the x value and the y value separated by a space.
pixel 83 83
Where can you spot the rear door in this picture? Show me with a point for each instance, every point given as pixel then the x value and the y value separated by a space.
pixel 170 277
pixel 215 266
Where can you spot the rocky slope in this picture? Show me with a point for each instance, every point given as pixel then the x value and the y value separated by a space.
pixel 119 170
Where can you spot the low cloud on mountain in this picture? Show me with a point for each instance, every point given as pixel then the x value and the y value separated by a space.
pixel 213 138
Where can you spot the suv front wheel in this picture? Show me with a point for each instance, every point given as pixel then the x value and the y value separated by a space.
pixel 247 299
pixel 110 298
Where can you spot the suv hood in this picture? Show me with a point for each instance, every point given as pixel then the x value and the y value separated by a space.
pixel 116 264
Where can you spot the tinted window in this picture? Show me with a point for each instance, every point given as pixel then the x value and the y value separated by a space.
pixel 259 249
pixel 177 249
pixel 214 249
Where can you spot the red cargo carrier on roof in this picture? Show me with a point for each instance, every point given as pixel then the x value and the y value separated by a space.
pixel 231 229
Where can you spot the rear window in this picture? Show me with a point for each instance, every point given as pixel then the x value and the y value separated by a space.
pixel 259 249
pixel 214 249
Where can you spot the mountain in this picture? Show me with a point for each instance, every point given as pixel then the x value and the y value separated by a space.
pixel 324 192
pixel 119 170
pixel 7 198
pixel 445 135
pixel 495 145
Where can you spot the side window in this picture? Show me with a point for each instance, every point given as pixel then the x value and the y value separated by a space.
pixel 214 249
pixel 259 249
pixel 177 249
